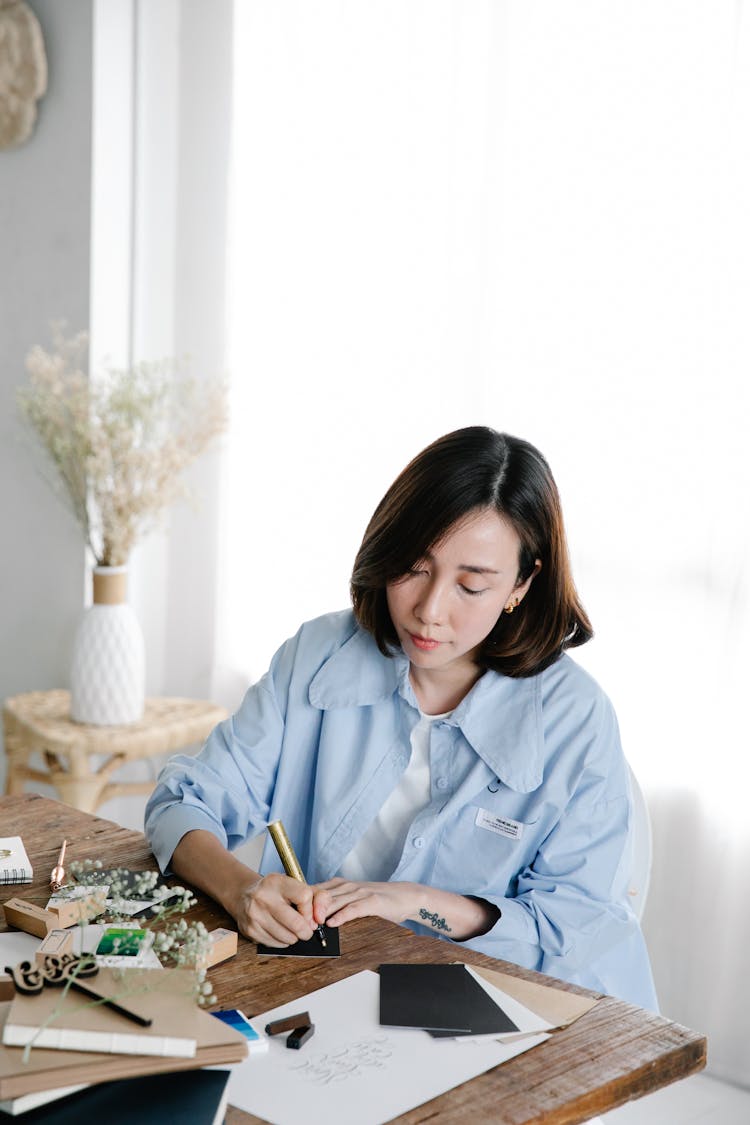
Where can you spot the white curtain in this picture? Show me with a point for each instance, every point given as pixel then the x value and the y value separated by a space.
pixel 533 215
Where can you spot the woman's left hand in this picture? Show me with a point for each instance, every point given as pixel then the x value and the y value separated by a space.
pixel 443 912
pixel 340 900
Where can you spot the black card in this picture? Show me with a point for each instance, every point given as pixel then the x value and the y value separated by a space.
pixel 440 998
pixel 311 948
pixel 128 882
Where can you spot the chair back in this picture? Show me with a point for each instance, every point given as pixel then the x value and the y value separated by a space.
pixel 640 871
pixel 640 868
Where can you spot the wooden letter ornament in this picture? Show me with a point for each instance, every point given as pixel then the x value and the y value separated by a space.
pixel 68 970
pixel 30 977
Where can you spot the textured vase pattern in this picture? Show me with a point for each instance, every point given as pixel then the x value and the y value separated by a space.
pixel 107 679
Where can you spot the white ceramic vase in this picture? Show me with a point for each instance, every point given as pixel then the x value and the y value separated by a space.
pixel 107 677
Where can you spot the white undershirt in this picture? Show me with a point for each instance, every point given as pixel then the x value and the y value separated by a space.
pixel 376 856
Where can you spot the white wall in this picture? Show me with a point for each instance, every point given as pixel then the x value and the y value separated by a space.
pixel 44 275
pixel 135 261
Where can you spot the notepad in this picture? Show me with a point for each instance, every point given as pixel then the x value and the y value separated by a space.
pixel 15 866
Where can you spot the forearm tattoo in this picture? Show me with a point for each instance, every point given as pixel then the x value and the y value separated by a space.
pixel 436 922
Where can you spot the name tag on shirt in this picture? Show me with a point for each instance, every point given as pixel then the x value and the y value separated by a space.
pixel 500 825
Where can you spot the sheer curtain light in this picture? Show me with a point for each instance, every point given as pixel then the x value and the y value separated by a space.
pixel 358 195
pixel 534 216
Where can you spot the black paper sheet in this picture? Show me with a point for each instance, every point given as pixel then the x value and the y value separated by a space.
pixel 442 998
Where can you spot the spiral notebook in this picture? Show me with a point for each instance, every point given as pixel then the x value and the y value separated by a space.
pixel 15 866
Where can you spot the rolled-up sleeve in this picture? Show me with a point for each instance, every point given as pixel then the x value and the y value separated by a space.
pixel 258 764
pixel 227 788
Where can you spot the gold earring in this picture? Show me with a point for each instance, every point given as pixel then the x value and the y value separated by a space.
pixel 512 605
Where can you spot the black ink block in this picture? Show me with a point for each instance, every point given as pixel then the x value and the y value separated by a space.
pixel 288 1023
pixel 299 1036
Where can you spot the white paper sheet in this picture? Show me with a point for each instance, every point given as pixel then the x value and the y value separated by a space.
pixel 17 946
pixel 353 1069
pixel 527 1022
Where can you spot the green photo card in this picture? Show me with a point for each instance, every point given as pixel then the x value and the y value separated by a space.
pixel 118 942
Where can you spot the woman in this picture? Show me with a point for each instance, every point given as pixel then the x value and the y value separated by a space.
pixel 436 758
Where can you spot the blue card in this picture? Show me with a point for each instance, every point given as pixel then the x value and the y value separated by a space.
pixel 234 1018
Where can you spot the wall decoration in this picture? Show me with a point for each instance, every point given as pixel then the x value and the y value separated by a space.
pixel 23 71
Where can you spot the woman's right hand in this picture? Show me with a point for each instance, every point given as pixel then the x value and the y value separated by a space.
pixel 275 910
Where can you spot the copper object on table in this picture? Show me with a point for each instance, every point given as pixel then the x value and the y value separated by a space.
pixel 57 878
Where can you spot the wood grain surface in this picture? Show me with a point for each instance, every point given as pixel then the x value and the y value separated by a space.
pixel 613 1054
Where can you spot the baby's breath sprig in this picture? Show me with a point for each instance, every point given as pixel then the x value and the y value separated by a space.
pixel 177 943
pixel 185 945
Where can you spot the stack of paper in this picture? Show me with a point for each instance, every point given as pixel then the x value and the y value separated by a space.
pixel 353 1069
pixel 178 1024
pixel 163 1001
pixel 356 1069
pixel 198 1097
pixel 441 999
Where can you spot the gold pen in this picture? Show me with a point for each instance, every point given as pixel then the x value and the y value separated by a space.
pixel 290 862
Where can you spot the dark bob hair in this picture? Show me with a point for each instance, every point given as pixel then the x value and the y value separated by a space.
pixel 472 470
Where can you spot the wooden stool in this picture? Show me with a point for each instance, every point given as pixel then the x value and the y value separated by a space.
pixel 40 721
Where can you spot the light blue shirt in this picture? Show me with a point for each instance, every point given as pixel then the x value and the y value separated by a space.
pixel 529 809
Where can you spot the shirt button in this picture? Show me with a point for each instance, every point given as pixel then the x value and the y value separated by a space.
pixel 418 841
pixel 442 783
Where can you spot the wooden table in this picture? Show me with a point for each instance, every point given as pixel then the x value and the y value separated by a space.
pixel 613 1054
pixel 80 759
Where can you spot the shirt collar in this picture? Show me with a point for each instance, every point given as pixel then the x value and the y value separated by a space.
pixel 500 717
pixel 356 675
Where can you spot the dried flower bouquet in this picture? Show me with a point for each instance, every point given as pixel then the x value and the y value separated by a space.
pixel 119 441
